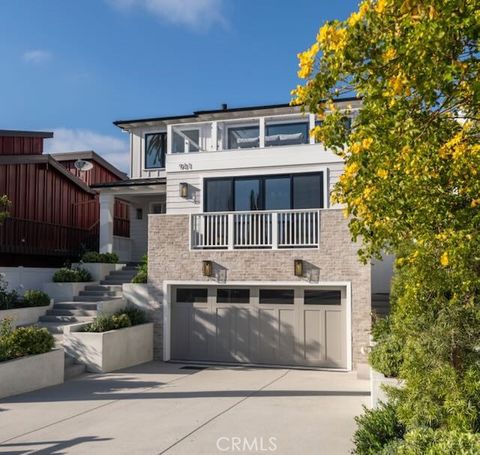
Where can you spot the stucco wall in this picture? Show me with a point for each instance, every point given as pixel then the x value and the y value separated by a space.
pixel 336 260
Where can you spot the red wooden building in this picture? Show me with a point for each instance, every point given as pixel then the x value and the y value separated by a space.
pixel 54 214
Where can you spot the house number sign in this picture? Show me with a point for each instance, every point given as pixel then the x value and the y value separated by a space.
pixel 185 166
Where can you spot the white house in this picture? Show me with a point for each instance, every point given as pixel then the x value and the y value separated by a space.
pixel 249 262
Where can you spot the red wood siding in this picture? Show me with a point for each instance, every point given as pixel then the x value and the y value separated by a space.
pixel 13 145
pixel 98 174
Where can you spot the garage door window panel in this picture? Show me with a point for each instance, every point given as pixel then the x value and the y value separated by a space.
pixel 322 297
pixel 192 295
pixel 276 296
pixel 234 296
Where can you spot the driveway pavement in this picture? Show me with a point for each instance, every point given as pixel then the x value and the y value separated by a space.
pixel 160 408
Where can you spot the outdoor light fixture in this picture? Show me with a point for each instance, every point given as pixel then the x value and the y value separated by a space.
pixel 298 267
pixel 207 268
pixel 184 189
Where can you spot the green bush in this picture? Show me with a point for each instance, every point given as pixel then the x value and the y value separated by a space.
pixel 35 298
pixel 74 275
pixel 94 256
pixel 120 320
pixel 439 442
pixel 142 274
pixel 8 299
pixel 23 341
pixel 387 354
pixel 135 315
pixel 376 429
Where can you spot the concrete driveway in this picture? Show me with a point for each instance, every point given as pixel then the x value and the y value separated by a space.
pixel 160 408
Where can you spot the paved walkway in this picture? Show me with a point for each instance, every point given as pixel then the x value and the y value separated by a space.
pixel 160 408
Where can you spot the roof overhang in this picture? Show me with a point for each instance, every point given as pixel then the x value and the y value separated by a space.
pixel 133 187
pixel 21 133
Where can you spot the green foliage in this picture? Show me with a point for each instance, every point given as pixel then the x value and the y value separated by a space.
pixel 105 258
pixel 142 274
pixel 427 441
pixel 73 275
pixel 136 315
pixel 23 341
pixel 4 204
pixel 35 298
pixel 8 299
pixel 386 355
pixel 120 320
pixel 376 429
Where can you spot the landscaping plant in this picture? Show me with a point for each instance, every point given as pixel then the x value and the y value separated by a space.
pixel 124 318
pixel 73 275
pixel 4 204
pixel 8 299
pixel 35 298
pixel 142 274
pixel 23 341
pixel 411 187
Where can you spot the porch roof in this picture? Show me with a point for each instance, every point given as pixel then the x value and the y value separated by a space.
pixel 131 182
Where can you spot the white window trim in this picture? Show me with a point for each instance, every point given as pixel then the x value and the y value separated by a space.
pixel 144 152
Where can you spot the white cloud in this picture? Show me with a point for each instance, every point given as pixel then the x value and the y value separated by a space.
pixel 192 13
pixel 111 148
pixel 37 56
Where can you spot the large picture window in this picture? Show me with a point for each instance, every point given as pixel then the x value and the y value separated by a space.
pixel 276 192
pixel 155 149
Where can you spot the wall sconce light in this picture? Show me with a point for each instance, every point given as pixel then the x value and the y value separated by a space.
pixel 207 268
pixel 184 190
pixel 298 267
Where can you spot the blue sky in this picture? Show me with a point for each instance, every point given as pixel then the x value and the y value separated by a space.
pixel 75 66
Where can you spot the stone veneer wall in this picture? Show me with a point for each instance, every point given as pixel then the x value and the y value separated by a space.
pixel 170 258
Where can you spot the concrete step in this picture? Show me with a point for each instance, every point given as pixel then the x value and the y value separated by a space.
pixel 75 306
pixel 94 298
pixel 62 318
pixel 54 327
pixel 76 313
pixel 122 273
pixel 97 287
pixel 113 282
pixel 73 371
pixel 130 267
pixel 90 293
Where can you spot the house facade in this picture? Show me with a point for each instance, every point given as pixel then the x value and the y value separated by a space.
pixel 54 212
pixel 248 259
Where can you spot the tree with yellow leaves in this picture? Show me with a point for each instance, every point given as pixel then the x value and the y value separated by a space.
pixel 411 187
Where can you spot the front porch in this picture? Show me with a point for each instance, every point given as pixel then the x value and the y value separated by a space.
pixel 145 196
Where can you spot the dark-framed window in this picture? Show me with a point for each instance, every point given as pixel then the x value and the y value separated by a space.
pixel 266 192
pixel 192 295
pixel 155 150
pixel 233 295
pixel 322 297
pixel 276 296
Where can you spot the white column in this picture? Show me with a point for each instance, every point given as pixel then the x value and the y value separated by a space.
pixel 214 145
pixel 169 139
pixel 106 222
pixel 311 121
pixel 262 132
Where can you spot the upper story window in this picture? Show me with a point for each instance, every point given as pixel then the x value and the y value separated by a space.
pixel 185 141
pixel 240 137
pixel 286 134
pixel 155 149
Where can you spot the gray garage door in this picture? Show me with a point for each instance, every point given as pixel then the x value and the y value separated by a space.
pixel 275 326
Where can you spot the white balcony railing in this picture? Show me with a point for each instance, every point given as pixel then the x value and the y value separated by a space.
pixel 253 230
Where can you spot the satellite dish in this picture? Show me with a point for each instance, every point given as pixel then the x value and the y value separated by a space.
pixel 83 165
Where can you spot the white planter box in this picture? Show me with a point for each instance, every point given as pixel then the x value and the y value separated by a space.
pixel 31 373
pixel 64 292
pixel 377 393
pixel 111 351
pixel 25 316
pixel 99 270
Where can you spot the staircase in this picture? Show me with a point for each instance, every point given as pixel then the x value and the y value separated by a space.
pixel 84 308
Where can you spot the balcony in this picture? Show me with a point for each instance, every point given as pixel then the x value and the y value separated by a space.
pixel 283 229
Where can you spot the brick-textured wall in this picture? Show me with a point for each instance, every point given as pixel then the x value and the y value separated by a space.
pixel 170 258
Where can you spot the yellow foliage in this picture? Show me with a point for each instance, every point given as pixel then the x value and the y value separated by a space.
pixel 444 260
pixel 382 173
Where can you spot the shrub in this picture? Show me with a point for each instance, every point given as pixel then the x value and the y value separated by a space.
pixel 439 442
pixel 387 355
pixel 74 275
pixel 8 299
pixel 376 429
pixel 142 274
pixel 23 341
pixel 35 298
pixel 120 320
pixel 106 258
pixel 135 315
